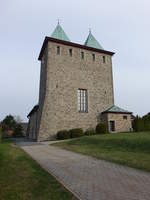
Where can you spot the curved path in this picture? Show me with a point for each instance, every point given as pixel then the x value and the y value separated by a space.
pixel 89 178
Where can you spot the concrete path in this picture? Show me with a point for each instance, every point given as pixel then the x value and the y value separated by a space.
pixel 89 178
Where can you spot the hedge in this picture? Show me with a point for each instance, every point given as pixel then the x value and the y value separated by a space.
pixel 141 123
pixel 0 134
pixel 63 134
pixel 76 132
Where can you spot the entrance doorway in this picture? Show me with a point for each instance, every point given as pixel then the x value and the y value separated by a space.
pixel 112 126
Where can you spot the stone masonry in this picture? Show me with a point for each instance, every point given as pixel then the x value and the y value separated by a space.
pixel 65 75
pixel 122 121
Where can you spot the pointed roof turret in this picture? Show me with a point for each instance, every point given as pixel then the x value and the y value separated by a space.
pixel 59 33
pixel 92 42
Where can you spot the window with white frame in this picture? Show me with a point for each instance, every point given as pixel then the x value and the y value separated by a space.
pixel 82 100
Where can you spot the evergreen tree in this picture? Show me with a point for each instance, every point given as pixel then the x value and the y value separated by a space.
pixel 9 122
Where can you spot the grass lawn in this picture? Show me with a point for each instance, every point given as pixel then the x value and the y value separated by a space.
pixel 131 149
pixel 21 178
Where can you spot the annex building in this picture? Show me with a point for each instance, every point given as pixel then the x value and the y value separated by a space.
pixel 76 88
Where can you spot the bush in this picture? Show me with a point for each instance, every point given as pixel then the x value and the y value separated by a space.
pixel 18 131
pixel 76 132
pixel 64 134
pixel 0 134
pixel 141 123
pixel 101 128
pixel 146 120
pixel 90 132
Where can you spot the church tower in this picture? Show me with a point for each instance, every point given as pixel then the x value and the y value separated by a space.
pixel 75 84
pixel 76 88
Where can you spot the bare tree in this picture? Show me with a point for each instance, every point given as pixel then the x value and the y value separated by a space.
pixel 18 119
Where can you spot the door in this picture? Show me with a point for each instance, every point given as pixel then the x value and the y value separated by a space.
pixel 111 126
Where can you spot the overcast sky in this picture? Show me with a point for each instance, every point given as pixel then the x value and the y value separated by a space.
pixel 122 26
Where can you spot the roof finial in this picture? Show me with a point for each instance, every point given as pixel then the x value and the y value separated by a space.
pixel 59 33
pixel 92 42
pixel 89 30
pixel 58 21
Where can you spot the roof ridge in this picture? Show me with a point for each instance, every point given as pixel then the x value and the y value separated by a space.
pixel 116 109
pixel 73 44
pixel 110 107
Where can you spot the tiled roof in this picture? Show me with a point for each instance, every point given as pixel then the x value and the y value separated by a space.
pixel 116 109
pixel 34 109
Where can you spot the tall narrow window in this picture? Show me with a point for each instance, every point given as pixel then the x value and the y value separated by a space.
pixel 70 52
pixel 82 100
pixel 104 59
pixel 82 55
pixel 93 56
pixel 58 50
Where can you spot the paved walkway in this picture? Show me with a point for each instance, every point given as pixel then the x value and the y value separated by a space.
pixel 91 179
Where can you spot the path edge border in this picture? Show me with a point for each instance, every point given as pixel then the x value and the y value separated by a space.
pixel 61 182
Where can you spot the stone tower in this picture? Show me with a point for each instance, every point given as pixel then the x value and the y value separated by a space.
pixel 76 85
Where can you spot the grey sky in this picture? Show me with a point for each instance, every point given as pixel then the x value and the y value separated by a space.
pixel 122 26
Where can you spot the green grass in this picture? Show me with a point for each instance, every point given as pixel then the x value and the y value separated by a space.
pixel 21 178
pixel 131 149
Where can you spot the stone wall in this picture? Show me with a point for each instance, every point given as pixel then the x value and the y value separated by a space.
pixel 42 88
pixel 121 124
pixel 65 75
pixel 32 126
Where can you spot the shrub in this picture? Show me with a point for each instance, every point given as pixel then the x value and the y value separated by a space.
pixel 138 124
pixel 146 120
pixel 64 134
pixel 141 123
pixel 90 132
pixel 18 131
pixel 101 128
pixel 76 132
pixel 0 134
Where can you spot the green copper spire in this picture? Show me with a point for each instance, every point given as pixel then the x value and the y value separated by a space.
pixel 92 42
pixel 59 33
